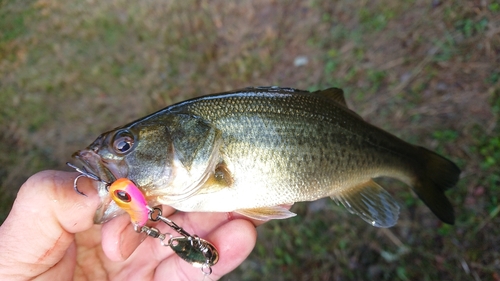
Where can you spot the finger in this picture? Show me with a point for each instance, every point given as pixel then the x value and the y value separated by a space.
pixel 150 253
pixel 119 239
pixel 66 264
pixel 234 241
pixel 200 224
pixel 40 226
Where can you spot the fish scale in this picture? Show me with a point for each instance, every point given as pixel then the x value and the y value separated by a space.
pixel 303 125
pixel 252 150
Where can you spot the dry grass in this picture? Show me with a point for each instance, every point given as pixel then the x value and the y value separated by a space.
pixel 428 72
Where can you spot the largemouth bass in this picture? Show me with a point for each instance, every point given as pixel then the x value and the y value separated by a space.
pixel 251 151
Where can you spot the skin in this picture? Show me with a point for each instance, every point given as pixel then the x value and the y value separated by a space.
pixel 49 235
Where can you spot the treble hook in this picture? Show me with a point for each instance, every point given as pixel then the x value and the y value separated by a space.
pixel 75 187
pixel 84 173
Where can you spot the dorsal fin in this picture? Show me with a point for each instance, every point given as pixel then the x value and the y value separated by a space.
pixel 334 94
pixel 337 95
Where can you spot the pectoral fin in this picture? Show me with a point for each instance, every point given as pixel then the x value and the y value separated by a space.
pixel 371 202
pixel 267 213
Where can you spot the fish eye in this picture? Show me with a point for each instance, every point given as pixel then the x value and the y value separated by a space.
pixel 123 142
pixel 122 195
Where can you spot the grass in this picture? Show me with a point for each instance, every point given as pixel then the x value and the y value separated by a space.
pixel 429 74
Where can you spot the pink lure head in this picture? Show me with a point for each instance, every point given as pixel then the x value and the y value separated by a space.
pixel 128 197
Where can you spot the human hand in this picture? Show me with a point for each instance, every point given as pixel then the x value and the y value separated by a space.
pixel 49 235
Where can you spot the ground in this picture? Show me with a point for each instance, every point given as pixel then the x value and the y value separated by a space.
pixel 427 71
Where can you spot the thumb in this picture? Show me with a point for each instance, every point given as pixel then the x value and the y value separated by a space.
pixel 41 225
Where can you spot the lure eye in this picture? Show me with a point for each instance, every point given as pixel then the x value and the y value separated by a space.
pixel 122 195
pixel 123 143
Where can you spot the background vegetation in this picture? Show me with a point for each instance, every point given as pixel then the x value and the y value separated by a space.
pixel 427 71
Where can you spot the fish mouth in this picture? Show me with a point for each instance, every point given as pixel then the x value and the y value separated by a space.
pixel 94 164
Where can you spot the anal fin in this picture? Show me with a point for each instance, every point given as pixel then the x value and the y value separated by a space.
pixel 371 202
pixel 267 213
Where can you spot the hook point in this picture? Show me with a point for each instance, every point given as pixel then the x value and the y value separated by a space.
pixel 75 186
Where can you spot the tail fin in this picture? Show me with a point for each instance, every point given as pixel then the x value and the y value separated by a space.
pixel 437 175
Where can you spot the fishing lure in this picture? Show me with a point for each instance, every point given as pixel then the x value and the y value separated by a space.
pixel 191 248
pixel 128 197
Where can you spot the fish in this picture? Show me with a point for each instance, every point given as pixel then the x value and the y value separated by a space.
pixel 257 150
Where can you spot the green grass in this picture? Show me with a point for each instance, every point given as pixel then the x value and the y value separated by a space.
pixel 71 70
